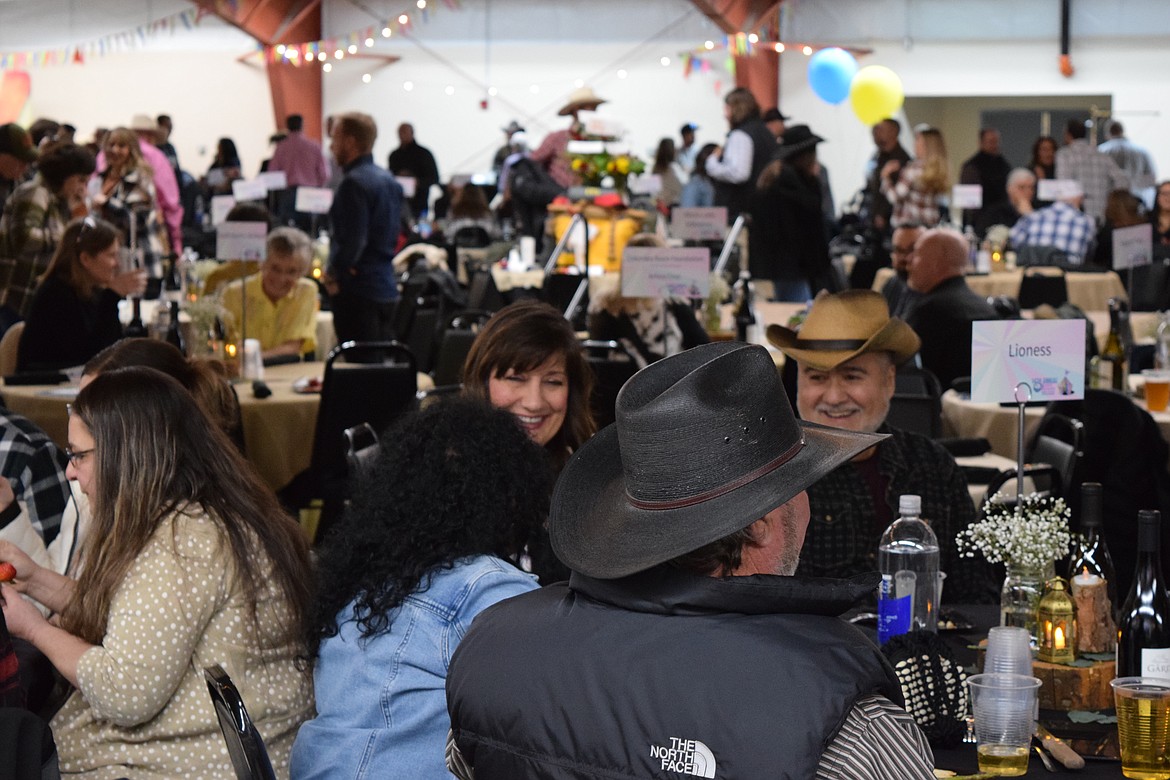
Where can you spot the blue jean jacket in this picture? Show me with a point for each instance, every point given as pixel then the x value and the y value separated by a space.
pixel 381 705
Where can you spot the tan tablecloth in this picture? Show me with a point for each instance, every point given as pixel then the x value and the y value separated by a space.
pixel 278 430
pixel 1090 291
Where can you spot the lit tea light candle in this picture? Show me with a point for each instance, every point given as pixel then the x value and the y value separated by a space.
pixel 1058 638
pixel 1096 632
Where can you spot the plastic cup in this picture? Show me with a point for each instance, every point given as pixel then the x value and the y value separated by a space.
pixel 1009 651
pixel 1004 706
pixel 1157 389
pixel 1143 724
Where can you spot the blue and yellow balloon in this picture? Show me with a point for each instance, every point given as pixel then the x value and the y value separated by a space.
pixel 875 94
pixel 830 72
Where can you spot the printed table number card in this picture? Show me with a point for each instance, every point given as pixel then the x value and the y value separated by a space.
pixel 313 200
pixel 654 272
pixel 1047 355
pixel 699 224
pixel 241 241
pixel 967 196
pixel 1133 246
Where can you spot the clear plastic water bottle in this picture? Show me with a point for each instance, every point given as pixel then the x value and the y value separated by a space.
pixel 908 561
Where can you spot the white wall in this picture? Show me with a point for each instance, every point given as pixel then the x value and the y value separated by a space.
pixel 651 102
pixel 1118 68
pixel 207 93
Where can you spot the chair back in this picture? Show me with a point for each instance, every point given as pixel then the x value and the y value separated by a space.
pixel 917 402
pixel 1040 286
pixel 1059 442
pixel 454 344
pixel 361 447
pixel 228 272
pixel 1031 254
pixel 1124 450
pixel 9 348
pixel 472 237
pixel 482 292
pixel 612 366
pixel 1151 286
pixel 1041 479
pixel 244 744
pixel 352 393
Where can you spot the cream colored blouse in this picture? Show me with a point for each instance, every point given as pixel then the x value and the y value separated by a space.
pixel 142 710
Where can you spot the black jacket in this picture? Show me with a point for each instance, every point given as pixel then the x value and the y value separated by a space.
pixel 788 238
pixel 607 679
pixel 942 319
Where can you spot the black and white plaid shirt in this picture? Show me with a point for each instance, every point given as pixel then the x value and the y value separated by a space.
pixel 36 468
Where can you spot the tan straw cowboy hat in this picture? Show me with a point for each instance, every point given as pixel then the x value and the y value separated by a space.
pixel 841 326
pixel 581 99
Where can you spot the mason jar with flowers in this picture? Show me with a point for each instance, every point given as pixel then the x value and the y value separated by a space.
pixel 1028 540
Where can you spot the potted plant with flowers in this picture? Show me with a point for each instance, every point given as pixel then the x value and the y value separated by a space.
pixel 1027 539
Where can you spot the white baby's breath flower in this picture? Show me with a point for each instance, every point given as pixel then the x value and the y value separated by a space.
pixel 1037 537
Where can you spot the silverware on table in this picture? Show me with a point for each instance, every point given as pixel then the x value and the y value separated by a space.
pixel 1044 759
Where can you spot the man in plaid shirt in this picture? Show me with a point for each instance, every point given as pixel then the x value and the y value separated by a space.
pixel 1061 225
pixel 34 472
pixel 1096 171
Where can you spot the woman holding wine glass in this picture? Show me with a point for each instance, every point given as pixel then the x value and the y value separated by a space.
pixel 123 194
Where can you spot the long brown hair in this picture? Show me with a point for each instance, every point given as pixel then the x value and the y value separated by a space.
pixel 156 454
pixel 89 235
pixel 521 337
pixel 936 176
pixel 124 135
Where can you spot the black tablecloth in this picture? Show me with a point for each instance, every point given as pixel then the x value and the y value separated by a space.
pixel 962 759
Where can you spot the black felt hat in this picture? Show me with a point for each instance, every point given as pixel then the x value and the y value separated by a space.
pixel 796 139
pixel 704 445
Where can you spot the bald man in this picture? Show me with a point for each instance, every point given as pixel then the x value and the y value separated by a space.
pixel 943 315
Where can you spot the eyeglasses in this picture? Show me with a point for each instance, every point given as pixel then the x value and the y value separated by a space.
pixel 76 456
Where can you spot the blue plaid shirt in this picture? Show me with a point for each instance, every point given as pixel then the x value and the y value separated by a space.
pixel 1059 225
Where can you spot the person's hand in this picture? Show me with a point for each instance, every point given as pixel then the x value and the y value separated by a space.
pixel 890 168
pixel 22 617
pixel 6 494
pixel 1022 205
pixel 98 200
pixel 19 560
pixel 330 284
pixel 129 283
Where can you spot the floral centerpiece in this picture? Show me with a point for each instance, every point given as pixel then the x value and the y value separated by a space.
pixel 1028 542
pixel 600 158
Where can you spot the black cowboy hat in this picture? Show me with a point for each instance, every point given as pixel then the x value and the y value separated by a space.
pixel 796 139
pixel 704 445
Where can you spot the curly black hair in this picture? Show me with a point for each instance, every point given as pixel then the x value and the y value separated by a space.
pixel 457 479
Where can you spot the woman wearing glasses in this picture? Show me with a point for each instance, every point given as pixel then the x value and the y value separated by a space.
pixel 74 314
pixel 191 563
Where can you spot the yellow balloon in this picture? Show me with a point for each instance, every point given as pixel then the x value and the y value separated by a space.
pixel 875 94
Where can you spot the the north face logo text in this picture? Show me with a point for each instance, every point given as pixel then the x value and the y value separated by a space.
pixel 687 756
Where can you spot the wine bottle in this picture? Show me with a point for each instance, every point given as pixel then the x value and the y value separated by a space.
pixel 174 335
pixel 1111 366
pixel 1091 555
pixel 136 329
pixel 745 315
pixel 1143 646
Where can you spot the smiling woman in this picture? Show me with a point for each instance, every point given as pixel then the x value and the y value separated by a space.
pixel 74 314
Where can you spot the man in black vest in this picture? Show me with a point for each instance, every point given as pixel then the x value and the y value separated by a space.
pixel 681 645
pixel 749 147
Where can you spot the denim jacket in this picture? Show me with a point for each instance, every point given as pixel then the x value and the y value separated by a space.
pixel 381 704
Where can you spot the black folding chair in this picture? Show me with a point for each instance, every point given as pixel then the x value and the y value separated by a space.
pixel 361 447
pixel 917 402
pixel 612 367
pixel 244 744
pixel 1059 442
pixel 1039 287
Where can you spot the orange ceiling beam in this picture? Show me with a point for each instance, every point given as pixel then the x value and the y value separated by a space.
pixel 759 72
pixel 295 90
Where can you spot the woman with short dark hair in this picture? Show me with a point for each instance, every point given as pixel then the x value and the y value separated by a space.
pixel 430 540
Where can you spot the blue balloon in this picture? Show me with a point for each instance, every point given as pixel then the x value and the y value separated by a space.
pixel 830 72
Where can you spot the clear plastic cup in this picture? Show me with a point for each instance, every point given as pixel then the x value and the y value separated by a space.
pixel 1009 651
pixel 1143 725
pixel 1004 706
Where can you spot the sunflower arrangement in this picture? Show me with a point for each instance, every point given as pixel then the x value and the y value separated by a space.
pixel 596 167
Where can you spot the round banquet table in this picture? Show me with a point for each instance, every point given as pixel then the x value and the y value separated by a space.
pixel 278 430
